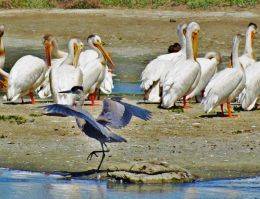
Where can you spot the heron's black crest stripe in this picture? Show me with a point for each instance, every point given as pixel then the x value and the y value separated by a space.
pixel 74 88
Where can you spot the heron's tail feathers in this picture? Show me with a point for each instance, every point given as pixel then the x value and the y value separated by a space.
pixel 115 138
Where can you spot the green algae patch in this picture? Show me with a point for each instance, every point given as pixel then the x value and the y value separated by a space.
pixel 13 119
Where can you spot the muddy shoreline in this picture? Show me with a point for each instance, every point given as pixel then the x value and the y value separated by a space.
pixel 207 146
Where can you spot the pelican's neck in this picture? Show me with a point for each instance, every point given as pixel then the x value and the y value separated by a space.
pixel 248 46
pixel 182 39
pixel 189 49
pixel 56 52
pixel 69 59
pixel 92 47
pixel 235 59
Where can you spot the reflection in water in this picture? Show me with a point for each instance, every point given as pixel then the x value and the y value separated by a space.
pixel 27 185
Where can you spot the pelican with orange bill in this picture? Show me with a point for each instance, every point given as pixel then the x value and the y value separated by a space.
pixel 95 71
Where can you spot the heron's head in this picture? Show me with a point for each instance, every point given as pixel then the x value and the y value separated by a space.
pixel 74 90
pixel 95 42
pixel 2 29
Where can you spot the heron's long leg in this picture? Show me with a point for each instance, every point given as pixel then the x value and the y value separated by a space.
pixel 103 156
pixel 95 153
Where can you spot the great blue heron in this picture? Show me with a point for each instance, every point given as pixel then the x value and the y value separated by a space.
pixel 115 114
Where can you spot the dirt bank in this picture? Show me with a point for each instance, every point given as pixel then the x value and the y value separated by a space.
pixel 210 147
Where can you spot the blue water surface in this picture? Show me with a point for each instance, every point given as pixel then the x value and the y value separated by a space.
pixel 31 185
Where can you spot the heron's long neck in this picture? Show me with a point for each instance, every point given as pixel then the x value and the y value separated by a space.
pixel 2 53
pixel 235 60
pixel 248 46
pixel 189 49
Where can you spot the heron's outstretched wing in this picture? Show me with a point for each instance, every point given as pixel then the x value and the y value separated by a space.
pixel 117 114
pixel 135 110
pixel 71 111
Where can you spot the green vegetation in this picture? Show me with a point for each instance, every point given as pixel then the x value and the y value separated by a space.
pixel 84 4
pixel 13 118
pixel 27 3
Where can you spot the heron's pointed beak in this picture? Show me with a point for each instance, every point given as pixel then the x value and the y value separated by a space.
pixel 68 91
pixel 195 39
pixel 77 50
pixel 48 47
pixel 104 53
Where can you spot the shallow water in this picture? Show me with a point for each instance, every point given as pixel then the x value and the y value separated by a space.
pixel 20 184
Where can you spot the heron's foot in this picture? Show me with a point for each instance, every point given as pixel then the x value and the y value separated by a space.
pixel 91 155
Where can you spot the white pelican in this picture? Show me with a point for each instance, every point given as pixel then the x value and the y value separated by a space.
pixel 57 57
pixel 94 71
pixel 248 56
pixel 227 84
pixel 251 92
pixel 85 57
pixel 209 65
pixel 185 75
pixel 153 74
pixel 27 74
pixel 67 75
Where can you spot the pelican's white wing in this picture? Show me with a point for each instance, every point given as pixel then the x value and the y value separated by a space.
pixel 221 87
pixel 107 84
pixel 208 69
pixel 180 81
pixel 64 78
pixel 251 91
pixel 86 57
pixel 25 76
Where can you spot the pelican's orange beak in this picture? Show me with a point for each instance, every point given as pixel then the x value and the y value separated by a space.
pixel 48 48
pixel 195 39
pixel 77 49
pixel 105 53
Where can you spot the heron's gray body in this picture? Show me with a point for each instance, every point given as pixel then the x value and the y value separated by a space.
pixel 115 114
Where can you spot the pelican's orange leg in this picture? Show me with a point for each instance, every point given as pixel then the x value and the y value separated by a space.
pixel 185 103
pixel 229 110
pixel 32 98
pixel 93 97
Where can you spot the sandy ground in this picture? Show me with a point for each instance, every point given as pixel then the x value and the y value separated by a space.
pixel 207 145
